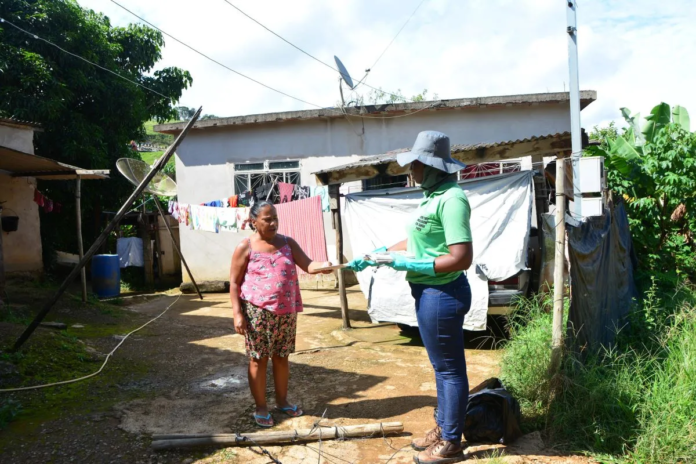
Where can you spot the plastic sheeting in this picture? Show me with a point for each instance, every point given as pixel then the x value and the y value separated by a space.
pixel 130 252
pixel 601 275
pixel 500 224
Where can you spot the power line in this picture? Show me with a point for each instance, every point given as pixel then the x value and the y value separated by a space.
pixel 392 41
pixel 317 59
pixel 214 60
pixel 267 86
pixel 2 20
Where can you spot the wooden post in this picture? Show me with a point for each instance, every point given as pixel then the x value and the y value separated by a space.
pixel 147 248
pixel 80 245
pixel 176 247
pixel 559 265
pixel 336 210
pixel 105 233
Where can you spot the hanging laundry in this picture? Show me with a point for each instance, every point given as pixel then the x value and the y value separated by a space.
pixel 130 252
pixel 204 218
pixel 322 191
pixel 303 221
pixel 265 192
pixel 38 198
pixel 227 219
pixel 301 193
pixel 170 206
pixel 224 203
pixel 285 191
pixel 184 216
pixel 174 210
pixel 57 207
pixel 243 219
pixel 233 201
pixel 48 205
pixel 246 198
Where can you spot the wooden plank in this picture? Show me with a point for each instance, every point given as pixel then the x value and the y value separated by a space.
pixel 167 442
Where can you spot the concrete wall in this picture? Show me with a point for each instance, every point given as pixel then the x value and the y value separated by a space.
pixel 21 249
pixel 20 139
pixel 206 158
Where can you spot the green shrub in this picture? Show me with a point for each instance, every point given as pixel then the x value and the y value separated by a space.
pixel 634 401
pixel 9 409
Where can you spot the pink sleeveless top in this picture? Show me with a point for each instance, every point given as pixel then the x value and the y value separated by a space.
pixel 271 281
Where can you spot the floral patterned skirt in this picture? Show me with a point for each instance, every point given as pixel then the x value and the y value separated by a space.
pixel 268 334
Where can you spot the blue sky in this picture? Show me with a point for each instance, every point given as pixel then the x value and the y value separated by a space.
pixel 633 53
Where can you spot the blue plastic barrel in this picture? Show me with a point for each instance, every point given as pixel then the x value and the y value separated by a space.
pixel 106 276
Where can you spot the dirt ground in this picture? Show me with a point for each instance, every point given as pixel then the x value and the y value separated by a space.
pixel 186 373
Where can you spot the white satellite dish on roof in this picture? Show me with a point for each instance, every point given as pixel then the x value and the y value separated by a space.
pixel 136 170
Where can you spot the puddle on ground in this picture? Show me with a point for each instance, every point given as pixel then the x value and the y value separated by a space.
pixel 229 379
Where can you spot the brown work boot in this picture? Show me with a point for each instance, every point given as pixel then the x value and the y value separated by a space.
pixel 431 437
pixel 442 452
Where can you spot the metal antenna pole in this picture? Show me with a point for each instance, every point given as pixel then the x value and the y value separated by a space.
pixel 109 228
pixel 575 129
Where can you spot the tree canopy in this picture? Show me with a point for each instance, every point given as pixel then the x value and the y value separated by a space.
pixel 87 114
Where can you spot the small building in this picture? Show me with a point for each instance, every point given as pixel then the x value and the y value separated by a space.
pixel 226 156
pixel 20 240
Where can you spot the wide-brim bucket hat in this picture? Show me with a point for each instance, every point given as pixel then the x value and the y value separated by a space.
pixel 432 148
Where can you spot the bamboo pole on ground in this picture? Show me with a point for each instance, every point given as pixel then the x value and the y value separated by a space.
pixel 105 233
pixel 559 265
pixel 168 442
pixel 80 245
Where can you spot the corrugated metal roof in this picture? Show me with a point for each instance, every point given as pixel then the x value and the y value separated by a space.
pixel 391 155
pixel 18 122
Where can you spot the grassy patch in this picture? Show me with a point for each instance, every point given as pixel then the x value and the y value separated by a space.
pixel 632 402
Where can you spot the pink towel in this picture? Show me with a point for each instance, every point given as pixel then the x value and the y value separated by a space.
pixel 285 191
pixel 303 221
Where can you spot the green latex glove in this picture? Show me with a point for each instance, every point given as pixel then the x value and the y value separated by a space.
pixel 359 265
pixel 422 266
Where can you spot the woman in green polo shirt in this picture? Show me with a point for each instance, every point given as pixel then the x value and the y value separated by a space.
pixel 439 237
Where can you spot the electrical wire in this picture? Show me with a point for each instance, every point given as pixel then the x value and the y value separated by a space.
pixel 324 62
pixel 35 36
pixel 342 112
pixel 214 60
pixel 108 356
pixel 390 43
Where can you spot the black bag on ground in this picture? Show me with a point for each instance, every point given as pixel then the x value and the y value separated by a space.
pixel 492 414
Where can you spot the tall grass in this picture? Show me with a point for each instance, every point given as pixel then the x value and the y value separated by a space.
pixel 635 401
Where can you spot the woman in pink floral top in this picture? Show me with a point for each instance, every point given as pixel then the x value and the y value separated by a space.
pixel 266 298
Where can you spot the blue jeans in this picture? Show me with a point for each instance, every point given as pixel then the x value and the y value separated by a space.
pixel 440 310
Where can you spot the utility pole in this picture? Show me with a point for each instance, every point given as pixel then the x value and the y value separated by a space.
pixel 559 267
pixel 575 127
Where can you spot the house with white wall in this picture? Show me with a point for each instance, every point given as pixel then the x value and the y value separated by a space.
pixel 226 156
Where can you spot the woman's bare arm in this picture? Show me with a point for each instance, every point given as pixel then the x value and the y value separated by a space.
pixel 459 258
pixel 240 260
pixel 303 261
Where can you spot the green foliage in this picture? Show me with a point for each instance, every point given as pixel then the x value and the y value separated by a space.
pixel 88 116
pixel 633 402
pixel 379 96
pixel 9 409
pixel 654 169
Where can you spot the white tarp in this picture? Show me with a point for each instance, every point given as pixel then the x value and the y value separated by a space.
pixel 130 252
pixel 500 223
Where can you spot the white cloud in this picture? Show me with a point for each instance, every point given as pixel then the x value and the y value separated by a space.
pixel 635 53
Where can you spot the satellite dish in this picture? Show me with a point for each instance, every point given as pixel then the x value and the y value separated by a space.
pixel 136 170
pixel 344 73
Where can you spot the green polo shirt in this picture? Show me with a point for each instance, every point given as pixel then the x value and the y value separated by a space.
pixel 442 219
